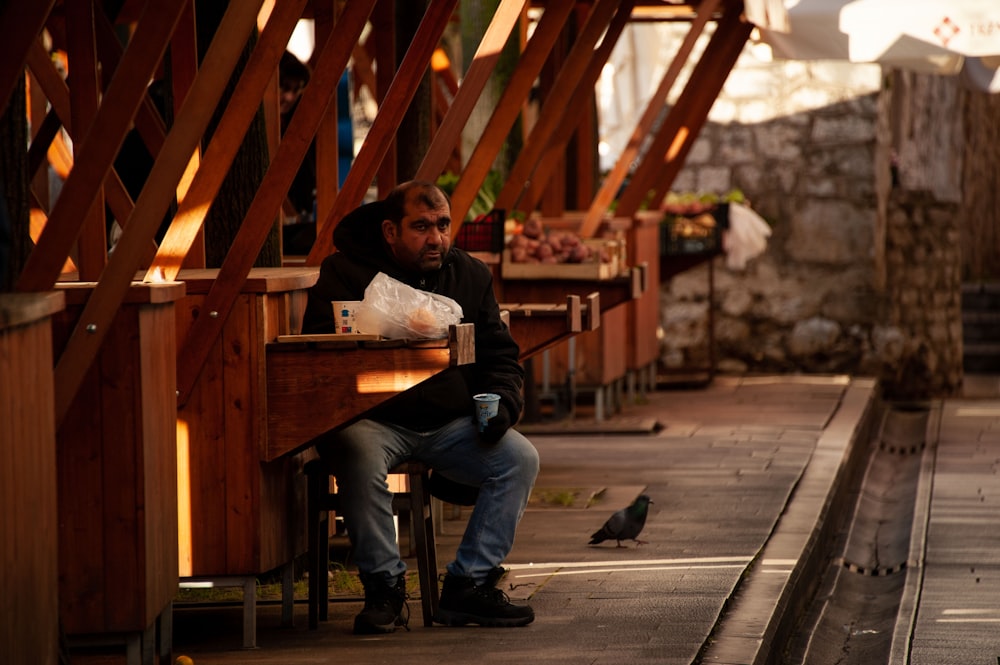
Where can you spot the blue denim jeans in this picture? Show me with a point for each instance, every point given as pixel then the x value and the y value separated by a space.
pixel 362 455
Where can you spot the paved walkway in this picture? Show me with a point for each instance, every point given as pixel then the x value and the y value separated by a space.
pixel 743 474
pixel 722 472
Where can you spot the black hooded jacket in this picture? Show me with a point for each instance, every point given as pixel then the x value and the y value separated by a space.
pixel 344 275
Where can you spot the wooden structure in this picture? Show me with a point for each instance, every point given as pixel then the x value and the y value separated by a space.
pixel 29 564
pixel 226 328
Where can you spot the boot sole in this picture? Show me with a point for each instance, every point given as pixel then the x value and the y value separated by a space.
pixel 449 618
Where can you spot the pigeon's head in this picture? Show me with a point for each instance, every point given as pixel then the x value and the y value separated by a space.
pixel 641 505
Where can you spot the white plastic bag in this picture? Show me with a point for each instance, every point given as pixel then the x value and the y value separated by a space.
pixel 746 236
pixel 397 311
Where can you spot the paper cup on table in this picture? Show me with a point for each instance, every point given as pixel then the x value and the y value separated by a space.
pixel 486 407
pixel 344 312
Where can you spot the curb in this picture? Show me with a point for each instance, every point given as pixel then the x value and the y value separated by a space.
pixel 762 613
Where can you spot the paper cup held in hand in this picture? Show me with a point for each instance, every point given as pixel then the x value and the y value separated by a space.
pixel 344 312
pixel 486 407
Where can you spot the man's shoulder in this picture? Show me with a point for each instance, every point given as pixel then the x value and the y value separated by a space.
pixel 466 261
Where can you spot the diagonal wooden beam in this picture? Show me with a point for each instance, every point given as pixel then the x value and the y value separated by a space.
pixel 85 88
pixel 147 119
pixel 528 67
pixel 99 147
pixel 194 115
pixel 555 110
pixel 381 134
pixel 20 23
pixel 309 113
pixel 555 150
pixel 57 93
pixel 483 64
pixel 226 140
pixel 686 117
pixel 613 181
pixel 701 102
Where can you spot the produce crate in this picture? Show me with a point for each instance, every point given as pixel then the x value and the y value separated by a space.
pixel 483 234
pixel 697 234
pixel 587 270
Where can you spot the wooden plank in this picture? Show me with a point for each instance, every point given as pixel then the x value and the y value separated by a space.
pixel 518 88
pixel 29 522
pixel 81 543
pixel 202 426
pixel 383 21
pixel 155 198
pixel 242 343
pixel 20 23
pixel 81 46
pixel 613 181
pixel 644 312
pixel 555 151
pixel 449 134
pixel 18 309
pixel 157 375
pixel 120 431
pixel 258 280
pixel 380 135
pixel 555 111
pixel 99 146
pixel 687 116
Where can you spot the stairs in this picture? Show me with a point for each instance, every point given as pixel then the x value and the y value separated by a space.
pixel 981 328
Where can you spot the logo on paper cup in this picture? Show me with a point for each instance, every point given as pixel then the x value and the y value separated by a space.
pixel 487 405
pixel 343 316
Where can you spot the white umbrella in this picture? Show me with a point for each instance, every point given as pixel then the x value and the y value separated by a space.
pixel 922 35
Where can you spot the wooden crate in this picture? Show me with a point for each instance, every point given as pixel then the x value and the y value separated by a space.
pixel 117 464
pixel 29 598
pixel 240 514
pixel 587 270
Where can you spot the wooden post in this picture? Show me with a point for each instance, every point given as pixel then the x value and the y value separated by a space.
pixel 28 521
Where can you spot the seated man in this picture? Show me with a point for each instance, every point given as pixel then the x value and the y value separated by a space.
pixel 406 236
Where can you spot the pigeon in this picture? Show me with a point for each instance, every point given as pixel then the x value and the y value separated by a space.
pixel 626 524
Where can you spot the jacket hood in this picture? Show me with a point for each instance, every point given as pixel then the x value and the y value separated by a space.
pixel 359 235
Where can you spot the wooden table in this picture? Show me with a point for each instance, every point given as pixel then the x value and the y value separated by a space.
pixel 318 383
pixel 537 327
pixel 245 432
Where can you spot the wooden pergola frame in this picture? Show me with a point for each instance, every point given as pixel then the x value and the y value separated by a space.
pixel 99 129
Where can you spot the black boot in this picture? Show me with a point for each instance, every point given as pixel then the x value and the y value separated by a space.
pixel 385 605
pixel 463 602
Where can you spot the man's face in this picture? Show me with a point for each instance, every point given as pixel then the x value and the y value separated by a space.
pixel 422 239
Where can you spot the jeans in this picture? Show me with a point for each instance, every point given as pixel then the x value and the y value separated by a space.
pixel 362 454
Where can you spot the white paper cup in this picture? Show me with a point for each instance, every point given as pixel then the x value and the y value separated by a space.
pixel 344 316
pixel 487 405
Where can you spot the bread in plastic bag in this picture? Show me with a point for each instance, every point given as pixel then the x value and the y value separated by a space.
pixel 396 310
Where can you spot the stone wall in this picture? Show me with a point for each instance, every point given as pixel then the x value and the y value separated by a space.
pixel 860 276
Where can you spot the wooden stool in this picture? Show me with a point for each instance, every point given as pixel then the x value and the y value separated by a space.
pixel 416 503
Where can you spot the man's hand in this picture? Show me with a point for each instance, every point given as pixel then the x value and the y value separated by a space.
pixel 496 426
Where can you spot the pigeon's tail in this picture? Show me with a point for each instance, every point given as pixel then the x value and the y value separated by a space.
pixel 599 536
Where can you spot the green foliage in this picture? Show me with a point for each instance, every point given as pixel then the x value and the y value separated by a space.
pixel 485 199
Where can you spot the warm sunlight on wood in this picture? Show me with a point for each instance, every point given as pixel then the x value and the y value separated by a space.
pixel 183 500
pixel 391 382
